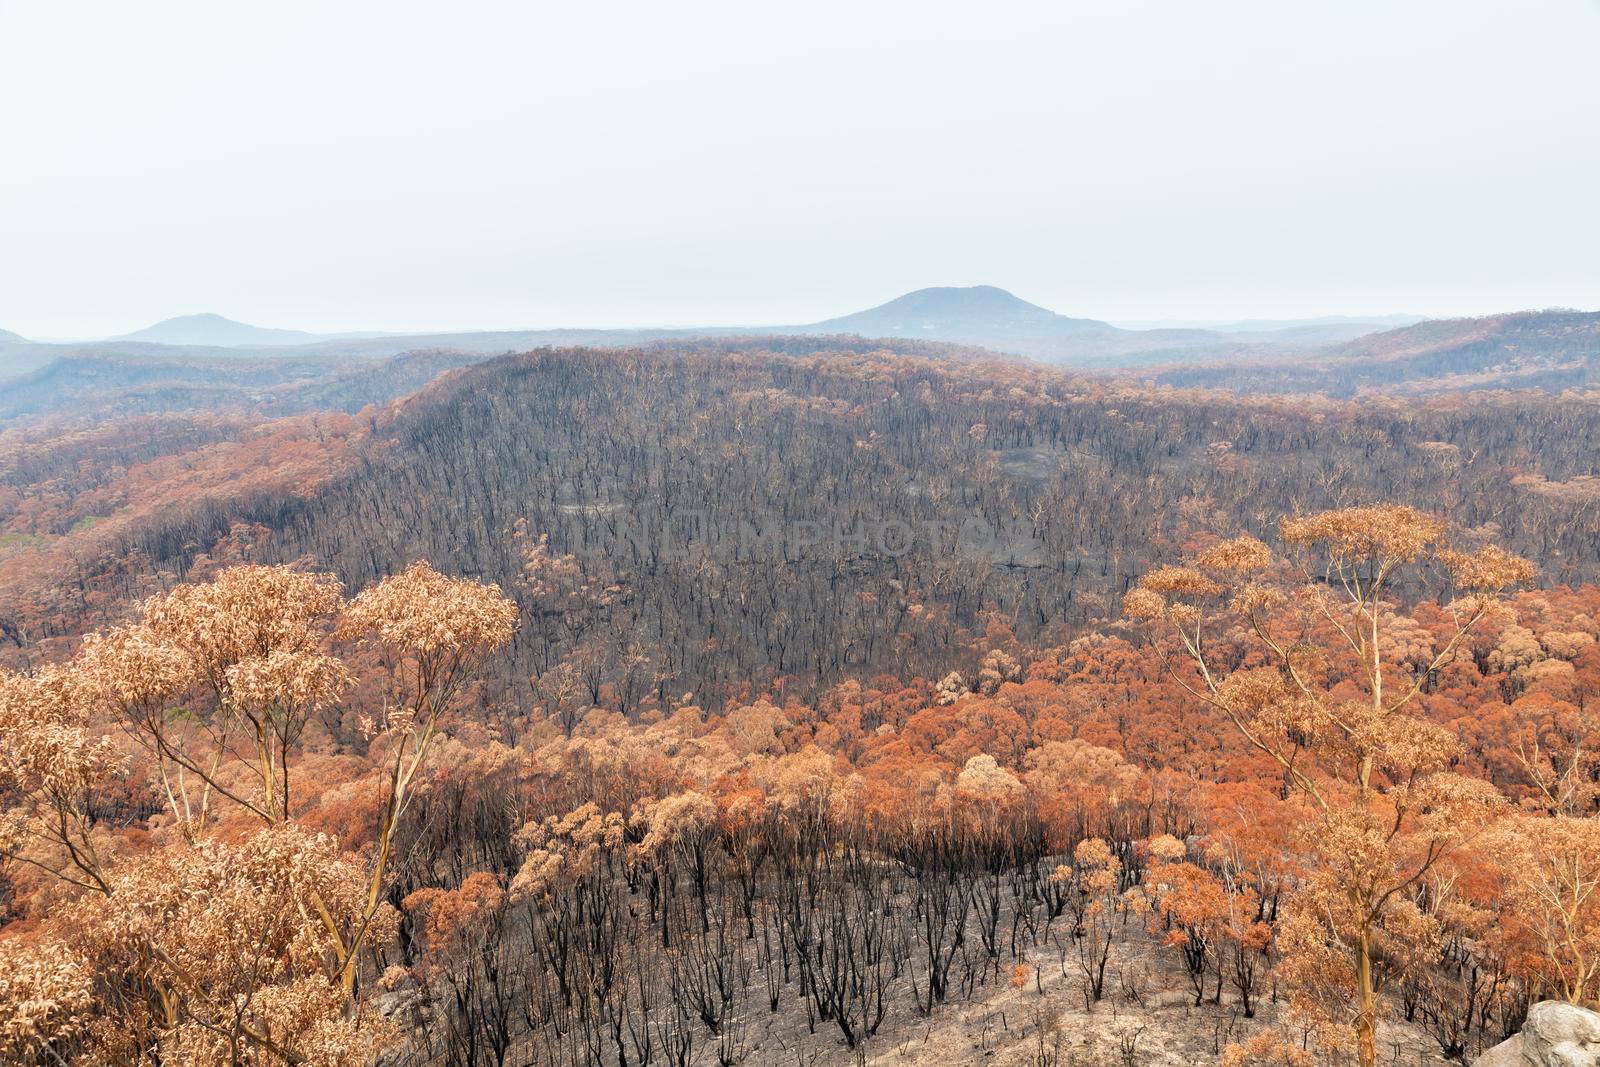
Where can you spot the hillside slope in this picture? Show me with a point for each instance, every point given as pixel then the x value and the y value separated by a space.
pixel 737 500
pixel 1548 350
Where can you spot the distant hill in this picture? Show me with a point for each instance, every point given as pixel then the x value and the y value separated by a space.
pixel 994 318
pixel 20 357
pixel 1554 348
pixel 981 315
pixel 7 337
pixel 1333 355
pixel 75 386
pixel 1550 350
pixel 946 313
pixel 208 329
pixel 103 387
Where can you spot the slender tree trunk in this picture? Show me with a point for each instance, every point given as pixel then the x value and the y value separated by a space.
pixel 1367 1021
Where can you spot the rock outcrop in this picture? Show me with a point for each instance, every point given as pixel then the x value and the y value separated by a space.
pixel 1556 1034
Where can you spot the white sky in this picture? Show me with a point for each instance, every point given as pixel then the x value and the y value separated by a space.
pixel 453 165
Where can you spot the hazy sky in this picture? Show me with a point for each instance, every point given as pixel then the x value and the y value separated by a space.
pixel 455 164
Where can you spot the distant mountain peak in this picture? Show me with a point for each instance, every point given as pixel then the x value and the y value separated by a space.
pixel 208 328
pixel 973 293
pixel 959 312
pixel 7 337
pixel 946 298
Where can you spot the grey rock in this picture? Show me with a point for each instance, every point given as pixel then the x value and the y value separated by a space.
pixel 1556 1034
pixel 1507 1053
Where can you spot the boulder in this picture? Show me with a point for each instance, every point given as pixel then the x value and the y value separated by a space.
pixel 1507 1053
pixel 1556 1034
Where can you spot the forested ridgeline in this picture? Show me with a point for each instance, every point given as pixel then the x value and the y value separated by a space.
pixel 736 517
pixel 1281 819
pixel 745 518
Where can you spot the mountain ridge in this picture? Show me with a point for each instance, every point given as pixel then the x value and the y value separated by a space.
pixel 1548 349
pixel 981 315
pixel 208 328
